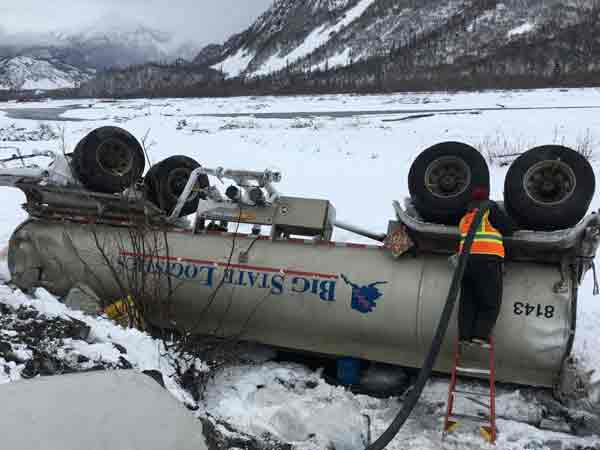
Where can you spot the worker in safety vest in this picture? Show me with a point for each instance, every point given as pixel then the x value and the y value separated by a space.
pixel 481 289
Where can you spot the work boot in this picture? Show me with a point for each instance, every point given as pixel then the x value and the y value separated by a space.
pixel 481 342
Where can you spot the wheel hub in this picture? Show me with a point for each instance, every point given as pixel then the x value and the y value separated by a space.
pixel 178 185
pixel 549 182
pixel 177 182
pixel 114 157
pixel 548 187
pixel 448 176
pixel 448 183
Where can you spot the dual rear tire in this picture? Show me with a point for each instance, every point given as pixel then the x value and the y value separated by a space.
pixel 110 159
pixel 442 179
pixel 165 182
pixel 547 188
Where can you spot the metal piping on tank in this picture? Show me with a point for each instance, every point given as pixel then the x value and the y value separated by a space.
pixel 360 231
pixel 247 194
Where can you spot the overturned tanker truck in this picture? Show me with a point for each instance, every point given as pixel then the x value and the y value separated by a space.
pixel 94 221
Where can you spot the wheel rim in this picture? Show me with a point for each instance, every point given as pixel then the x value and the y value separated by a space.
pixel 114 157
pixel 448 176
pixel 177 180
pixel 549 182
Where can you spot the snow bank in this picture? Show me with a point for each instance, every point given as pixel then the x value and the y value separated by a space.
pixel 293 404
pixel 290 403
pixel 587 338
pixel 143 352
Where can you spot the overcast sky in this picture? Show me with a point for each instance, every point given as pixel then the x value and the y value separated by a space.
pixel 204 21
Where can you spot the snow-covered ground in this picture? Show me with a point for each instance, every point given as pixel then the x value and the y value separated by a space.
pixel 143 352
pixel 360 163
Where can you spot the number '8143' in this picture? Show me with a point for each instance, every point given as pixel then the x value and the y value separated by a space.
pixel 543 311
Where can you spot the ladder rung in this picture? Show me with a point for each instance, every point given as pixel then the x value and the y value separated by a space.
pixel 473 346
pixel 477 394
pixel 469 417
pixel 476 401
pixel 472 371
pixel 487 419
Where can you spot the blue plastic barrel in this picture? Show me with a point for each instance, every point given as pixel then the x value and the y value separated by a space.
pixel 348 371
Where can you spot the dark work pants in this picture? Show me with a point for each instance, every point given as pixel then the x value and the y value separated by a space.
pixel 481 297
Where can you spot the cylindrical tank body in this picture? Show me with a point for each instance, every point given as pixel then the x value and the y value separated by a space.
pixel 335 299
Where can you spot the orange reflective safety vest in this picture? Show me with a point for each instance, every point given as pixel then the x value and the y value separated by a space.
pixel 487 241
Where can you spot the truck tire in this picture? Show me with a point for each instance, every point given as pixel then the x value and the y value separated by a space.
pixel 549 188
pixel 441 179
pixel 166 180
pixel 108 160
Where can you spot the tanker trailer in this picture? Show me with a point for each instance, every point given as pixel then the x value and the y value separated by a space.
pixel 295 288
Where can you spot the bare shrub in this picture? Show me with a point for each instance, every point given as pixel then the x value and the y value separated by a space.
pixel 239 124
pixel 136 259
pixel 303 123
pixel 558 137
pixel 47 132
pixel 585 145
pixel 502 150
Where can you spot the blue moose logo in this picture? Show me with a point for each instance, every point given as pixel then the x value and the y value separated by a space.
pixel 364 297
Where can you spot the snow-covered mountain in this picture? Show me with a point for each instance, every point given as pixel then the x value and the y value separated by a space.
pixel 309 35
pixel 63 58
pixel 116 42
pixel 24 73
pixel 287 32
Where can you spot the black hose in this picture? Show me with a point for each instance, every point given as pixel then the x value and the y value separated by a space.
pixel 415 391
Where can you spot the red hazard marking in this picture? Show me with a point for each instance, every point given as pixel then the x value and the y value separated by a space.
pixel 350 245
pixel 325 243
pixel 293 240
pixel 234 266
